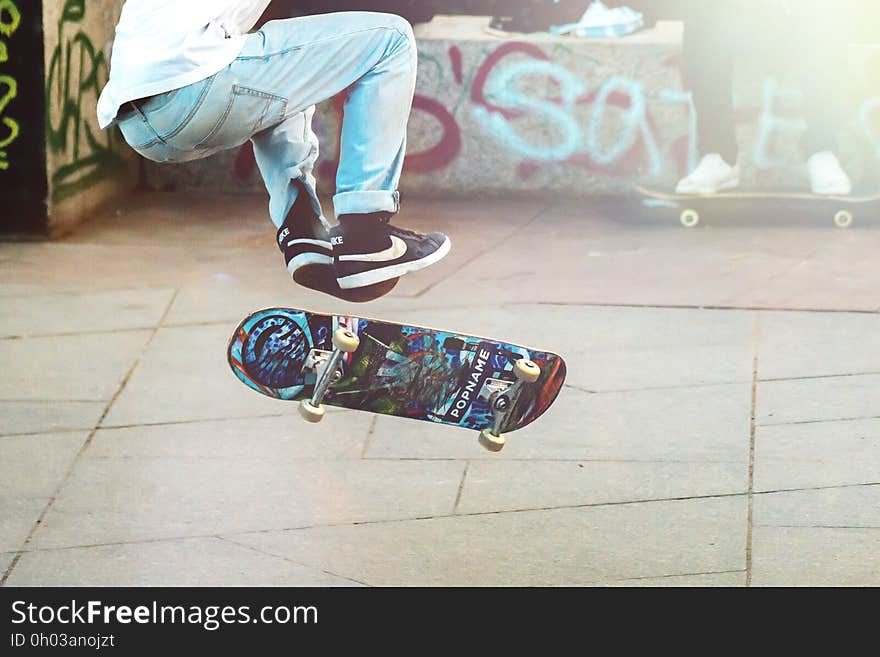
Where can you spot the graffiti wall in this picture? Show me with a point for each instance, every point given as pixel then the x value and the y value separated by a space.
pixel 22 157
pixel 575 116
pixel 56 166
pixel 86 166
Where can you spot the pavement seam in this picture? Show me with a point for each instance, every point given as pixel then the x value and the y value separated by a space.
pixel 842 375
pixel 48 432
pixel 856 418
pixel 267 553
pixel 672 575
pixel 170 423
pixel 695 306
pixel 459 516
pixel 680 386
pixel 369 435
pixel 383 521
pixel 756 346
pixel 84 447
pixel 871 527
pixel 464 473
pixel 223 322
pixel 776 491
pixel 75 334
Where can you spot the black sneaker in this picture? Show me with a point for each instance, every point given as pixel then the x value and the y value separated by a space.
pixel 305 243
pixel 370 250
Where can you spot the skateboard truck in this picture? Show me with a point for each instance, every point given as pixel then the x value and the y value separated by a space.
pixel 326 366
pixel 503 401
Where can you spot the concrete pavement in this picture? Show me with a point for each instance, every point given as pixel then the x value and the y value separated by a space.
pixel 720 424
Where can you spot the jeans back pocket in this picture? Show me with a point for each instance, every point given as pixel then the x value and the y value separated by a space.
pixel 247 112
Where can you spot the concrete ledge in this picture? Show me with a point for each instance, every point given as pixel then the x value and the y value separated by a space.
pixel 576 116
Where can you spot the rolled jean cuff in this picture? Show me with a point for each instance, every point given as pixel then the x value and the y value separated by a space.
pixel 365 202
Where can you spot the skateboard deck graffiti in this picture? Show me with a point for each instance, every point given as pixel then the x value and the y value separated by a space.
pixel 393 369
pixel 690 209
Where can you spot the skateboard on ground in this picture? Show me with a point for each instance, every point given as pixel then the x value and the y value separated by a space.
pixel 393 369
pixel 691 208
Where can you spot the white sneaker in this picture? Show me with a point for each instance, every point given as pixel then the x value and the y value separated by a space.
pixel 827 177
pixel 711 176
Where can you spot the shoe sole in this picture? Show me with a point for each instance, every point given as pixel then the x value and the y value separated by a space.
pixel 375 276
pixel 724 187
pixel 321 278
pixel 306 260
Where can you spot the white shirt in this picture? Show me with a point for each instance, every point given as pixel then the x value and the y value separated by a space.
pixel 162 45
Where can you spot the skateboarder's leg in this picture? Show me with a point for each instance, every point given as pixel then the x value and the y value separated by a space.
pixel 373 58
pixel 286 156
pixel 284 70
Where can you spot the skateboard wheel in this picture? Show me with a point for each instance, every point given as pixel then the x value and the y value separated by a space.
pixel 843 219
pixel 313 414
pixel 490 442
pixel 526 371
pixel 689 218
pixel 345 340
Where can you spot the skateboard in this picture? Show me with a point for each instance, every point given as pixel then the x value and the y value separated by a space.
pixel 691 208
pixel 381 367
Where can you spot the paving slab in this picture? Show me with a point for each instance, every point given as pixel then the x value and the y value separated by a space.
pixel 815 556
pixel 789 342
pixel 193 562
pixel 694 424
pixel 183 376
pixel 512 485
pixel 341 436
pixel 834 272
pixel 106 265
pixel 75 313
pixel 474 233
pixel 19 417
pixel 162 219
pixel 69 368
pixel 134 499
pixel 533 548
pixel 602 253
pixel 228 297
pixel 848 506
pixel 17 517
pixel 817 454
pixel 34 466
pixel 597 252
pixel 820 399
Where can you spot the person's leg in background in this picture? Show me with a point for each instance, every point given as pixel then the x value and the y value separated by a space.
pixel 821 52
pixel 711 36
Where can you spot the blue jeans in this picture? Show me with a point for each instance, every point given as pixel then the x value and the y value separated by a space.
pixel 268 95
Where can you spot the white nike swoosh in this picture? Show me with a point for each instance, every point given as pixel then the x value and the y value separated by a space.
pixel 393 252
pixel 321 243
